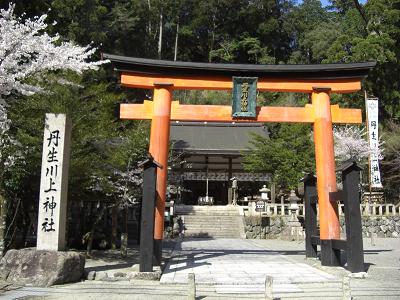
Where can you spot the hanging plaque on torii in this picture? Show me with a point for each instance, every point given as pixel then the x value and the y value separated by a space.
pixel 319 81
pixel 244 97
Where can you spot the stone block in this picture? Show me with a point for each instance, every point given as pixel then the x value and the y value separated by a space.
pixel 145 275
pixel 41 267
pixel 191 286
pixel 120 274
pixel 102 275
pixel 91 275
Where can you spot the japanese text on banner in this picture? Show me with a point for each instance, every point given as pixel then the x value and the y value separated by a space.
pixel 372 113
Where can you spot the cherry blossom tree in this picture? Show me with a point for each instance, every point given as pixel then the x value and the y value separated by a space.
pixel 27 52
pixel 351 143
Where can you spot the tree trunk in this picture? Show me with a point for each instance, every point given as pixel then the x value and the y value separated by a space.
pixel 3 216
pixel 124 236
pixel 212 38
pixel 160 35
pixel 114 220
pixel 176 40
pixel 92 231
pixel 361 11
pixel 149 5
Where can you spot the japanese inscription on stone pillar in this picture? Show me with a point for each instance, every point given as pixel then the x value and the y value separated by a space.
pixel 54 183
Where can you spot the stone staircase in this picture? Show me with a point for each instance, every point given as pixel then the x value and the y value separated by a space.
pixel 212 221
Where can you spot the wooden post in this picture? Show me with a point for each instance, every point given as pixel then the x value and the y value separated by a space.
pixel 351 199
pixel 273 193
pixel 326 178
pixel 230 175
pixel 310 207
pixel 159 144
pixel 346 288
pixel 191 286
pixel 268 293
pixel 147 215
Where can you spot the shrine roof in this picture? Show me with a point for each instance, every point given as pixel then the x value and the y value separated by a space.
pixel 214 138
pixel 178 68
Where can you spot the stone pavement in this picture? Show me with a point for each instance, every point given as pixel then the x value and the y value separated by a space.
pixel 234 269
pixel 240 265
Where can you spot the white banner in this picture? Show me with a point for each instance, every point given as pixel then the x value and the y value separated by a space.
pixel 373 138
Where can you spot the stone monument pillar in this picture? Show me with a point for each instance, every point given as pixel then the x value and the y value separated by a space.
pixel 54 183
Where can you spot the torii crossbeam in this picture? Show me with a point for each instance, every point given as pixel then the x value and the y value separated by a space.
pixel 318 80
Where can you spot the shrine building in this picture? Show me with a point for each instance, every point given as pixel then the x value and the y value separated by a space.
pixel 207 155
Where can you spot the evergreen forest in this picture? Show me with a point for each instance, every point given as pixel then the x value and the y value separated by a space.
pixel 105 150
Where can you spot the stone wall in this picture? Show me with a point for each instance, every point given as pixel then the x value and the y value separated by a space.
pixel 274 227
pixel 271 227
pixel 385 226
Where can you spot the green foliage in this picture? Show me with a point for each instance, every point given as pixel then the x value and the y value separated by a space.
pixel 260 31
pixel 100 145
pixel 391 160
pixel 203 97
pixel 248 49
pixel 286 154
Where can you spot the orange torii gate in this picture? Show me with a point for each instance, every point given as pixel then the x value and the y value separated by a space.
pixel 317 80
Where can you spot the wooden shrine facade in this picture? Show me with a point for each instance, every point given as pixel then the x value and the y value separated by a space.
pixel 319 81
pixel 207 155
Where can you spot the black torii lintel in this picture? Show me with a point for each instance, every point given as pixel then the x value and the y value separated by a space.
pixel 179 68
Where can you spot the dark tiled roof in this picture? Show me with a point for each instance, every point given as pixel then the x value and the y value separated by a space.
pixel 165 67
pixel 213 138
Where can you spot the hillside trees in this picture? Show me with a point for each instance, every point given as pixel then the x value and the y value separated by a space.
pixel 259 31
pixel 286 154
pixel 104 152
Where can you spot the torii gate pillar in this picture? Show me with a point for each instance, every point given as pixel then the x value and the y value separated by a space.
pixel 325 169
pixel 159 147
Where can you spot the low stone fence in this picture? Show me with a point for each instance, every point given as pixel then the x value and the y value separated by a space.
pixel 275 209
pixel 264 227
pixel 270 227
pixel 387 226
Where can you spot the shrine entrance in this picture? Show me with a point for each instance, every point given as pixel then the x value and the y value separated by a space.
pixel 206 156
pixel 319 81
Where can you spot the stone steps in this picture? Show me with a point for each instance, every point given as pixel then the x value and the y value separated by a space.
pixel 207 210
pixel 206 214
pixel 211 221
pixel 211 232
pixel 189 226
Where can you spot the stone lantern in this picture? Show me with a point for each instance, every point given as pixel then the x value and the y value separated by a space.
pixel 264 193
pixel 294 227
pixel 293 199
